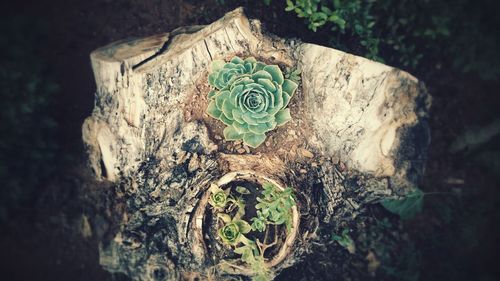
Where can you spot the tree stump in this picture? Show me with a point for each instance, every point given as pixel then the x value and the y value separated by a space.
pixel 359 134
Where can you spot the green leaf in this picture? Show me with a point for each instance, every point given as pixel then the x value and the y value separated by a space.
pixel 227 109
pixel 407 207
pixel 283 116
pixel 230 133
pixel 212 77
pixel 216 65
pixel 267 84
pixel 259 66
pixel 213 111
pixel 261 74
pixel 212 94
pixel 253 140
pixel 251 60
pixel 240 128
pixel 258 129
pixel 345 241
pixel 242 190
pixel 225 120
pixel 243 226
pixel 286 99
pixel 289 87
pixel 276 73
pixel 220 98
pixel 224 217
pixel 237 60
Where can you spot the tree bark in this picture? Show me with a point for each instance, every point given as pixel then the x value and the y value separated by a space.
pixel 359 134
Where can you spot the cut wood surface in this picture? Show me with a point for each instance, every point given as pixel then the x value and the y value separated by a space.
pixel 358 126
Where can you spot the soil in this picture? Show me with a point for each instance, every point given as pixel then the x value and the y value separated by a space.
pixel 292 137
pixel 55 236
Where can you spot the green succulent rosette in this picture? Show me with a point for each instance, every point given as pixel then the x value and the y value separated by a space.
pixel 232 232
pixel 254 103
pixel 259 222
pixel 224 74
pixel 218 197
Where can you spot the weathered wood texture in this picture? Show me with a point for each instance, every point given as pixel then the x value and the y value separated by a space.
pixel 359 134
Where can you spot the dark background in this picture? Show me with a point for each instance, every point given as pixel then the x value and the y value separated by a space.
pixel 47 90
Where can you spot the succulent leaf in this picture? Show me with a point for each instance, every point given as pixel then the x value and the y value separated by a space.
pixel 243 226
pixel 289 87
pixel 212 94
pixel 218 197
pixel 216 65
pixel 224 217
pixel 237 60
pixel 231 133
pixel 213 111
pixel 275 71
pixel 259 224
pixel 242 190
pixel 283 116
pixel 254 140
pixel 230 233
pixel 250 97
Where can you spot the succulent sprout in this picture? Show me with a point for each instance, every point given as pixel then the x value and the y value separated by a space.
pixel 232 232
pixel 259 222
pixel 252 99
pixel 218 197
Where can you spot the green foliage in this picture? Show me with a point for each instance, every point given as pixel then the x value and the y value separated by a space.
pixel 28 145
pixel 316 13
pixel 254 257
pixel 250 98
pixel 242 190
pixel 344 17
pixel 402 32
pixel 259 222
pixel 218 197
pixel 407 207
pixel 275 206
pixel 232 232
pixel 293 74
pixel 345 241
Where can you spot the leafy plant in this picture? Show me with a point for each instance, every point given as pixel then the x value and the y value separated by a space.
pixel 345 241
pixel 403 32
pixel 218 197
pixel 316 13
pixel 250 98
pixel 275 206
pixel 242 190
pixel 407 207
pixel 293 74
pixel 223 74
pixel 259 222
pixel 232 232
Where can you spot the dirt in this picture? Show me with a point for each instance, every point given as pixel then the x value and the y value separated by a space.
pixel 49 239
pixel 287 142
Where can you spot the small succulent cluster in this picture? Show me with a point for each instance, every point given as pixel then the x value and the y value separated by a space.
pixel 274 207
pixel 249 97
